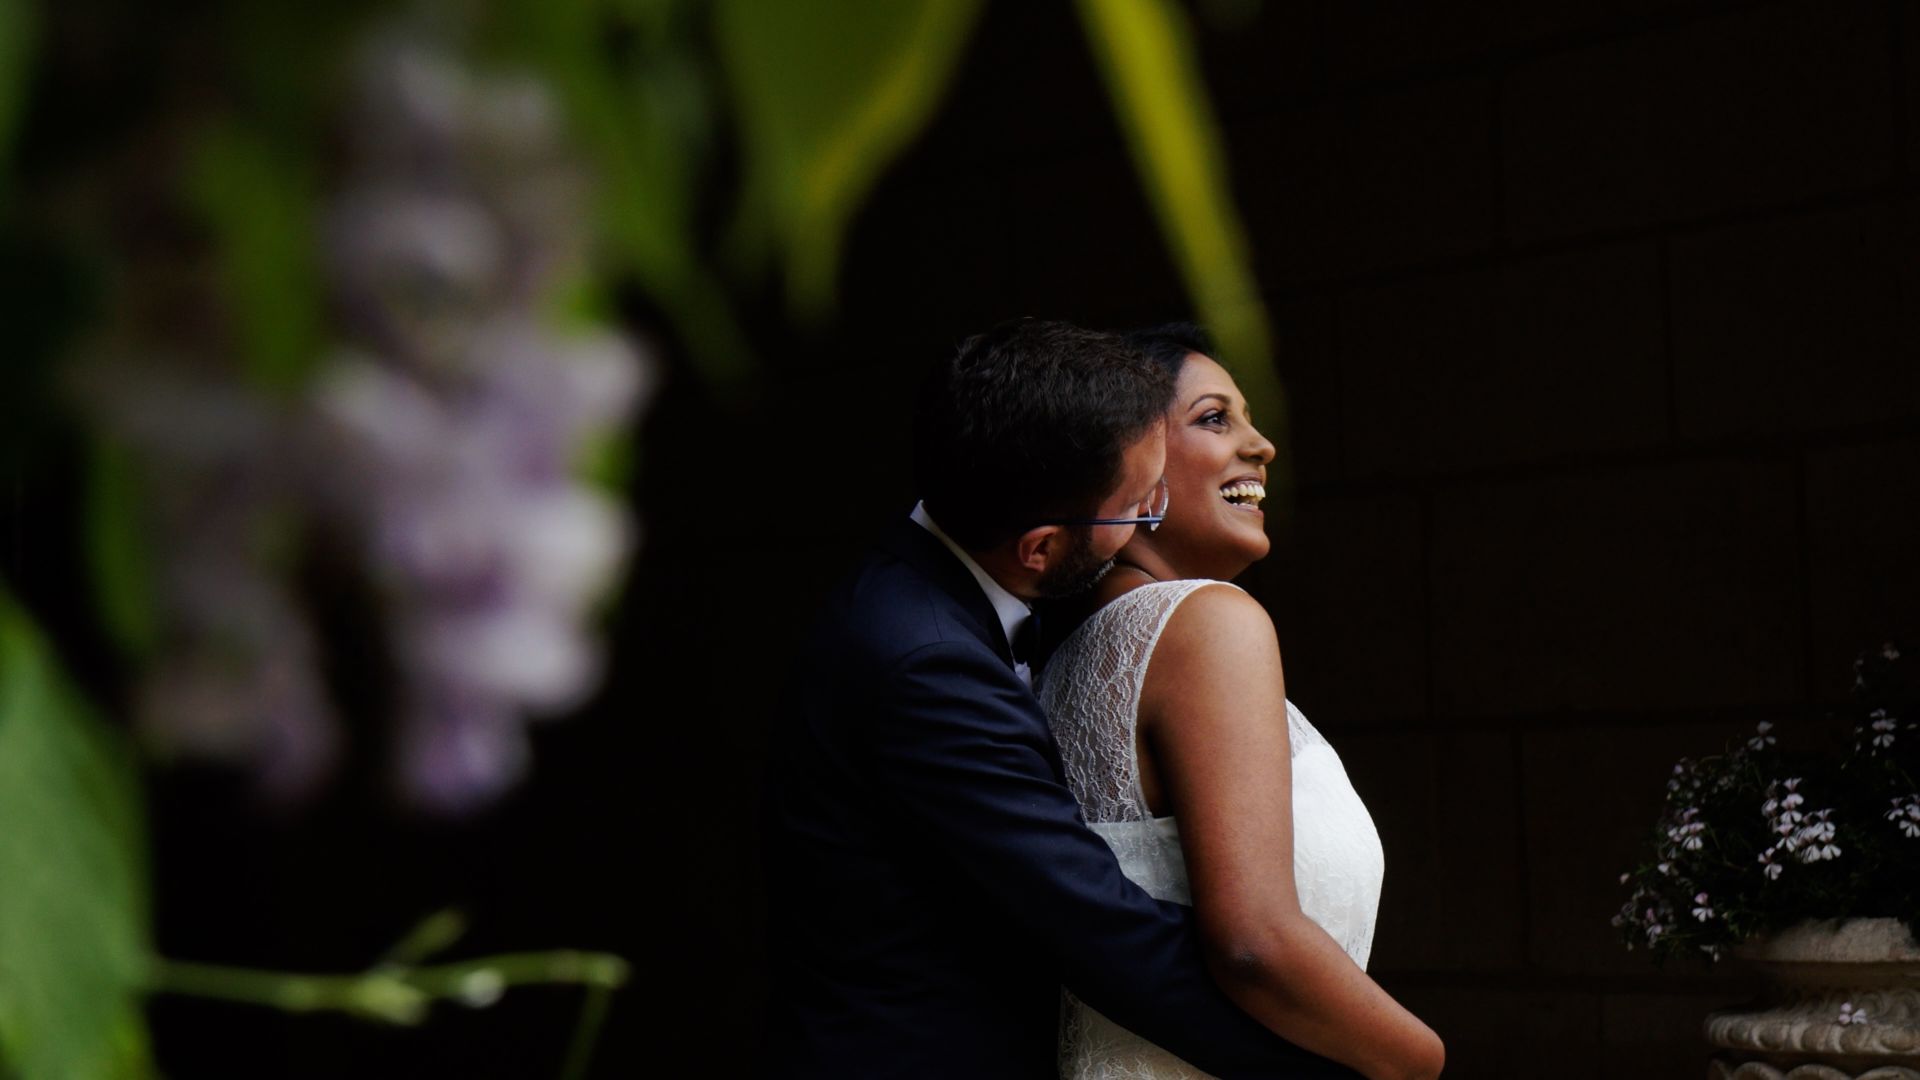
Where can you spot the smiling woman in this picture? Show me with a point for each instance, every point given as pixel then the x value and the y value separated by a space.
pixel 1216 465
pixel 1169 702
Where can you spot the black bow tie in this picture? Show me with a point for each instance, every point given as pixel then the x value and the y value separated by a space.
pixel 1026 641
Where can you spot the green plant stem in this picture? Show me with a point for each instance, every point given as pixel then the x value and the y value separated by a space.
pixel 394 994
pixel 586 1033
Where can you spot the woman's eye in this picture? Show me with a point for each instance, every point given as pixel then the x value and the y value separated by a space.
pixel 1216 417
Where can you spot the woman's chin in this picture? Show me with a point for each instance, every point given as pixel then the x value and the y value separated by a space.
pixel 1253 545
pixel 1254 554
pixel 1248 527
pixel 1232 559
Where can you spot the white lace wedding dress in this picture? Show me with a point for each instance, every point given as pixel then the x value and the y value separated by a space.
pixel 1091 692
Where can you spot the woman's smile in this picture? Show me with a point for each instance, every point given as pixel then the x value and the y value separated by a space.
pixel 1245 493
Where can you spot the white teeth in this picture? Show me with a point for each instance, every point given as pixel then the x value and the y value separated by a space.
pixel 1247 492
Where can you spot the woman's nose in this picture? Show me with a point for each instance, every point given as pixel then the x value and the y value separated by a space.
pixel 1260 449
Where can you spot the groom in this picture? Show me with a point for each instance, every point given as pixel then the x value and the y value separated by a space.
pixel 932 884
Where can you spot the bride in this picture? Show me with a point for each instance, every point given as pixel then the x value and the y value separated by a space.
pixel 1168 704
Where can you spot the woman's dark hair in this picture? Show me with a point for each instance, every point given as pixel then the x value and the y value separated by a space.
pixel 1027 422
pixel 1169 344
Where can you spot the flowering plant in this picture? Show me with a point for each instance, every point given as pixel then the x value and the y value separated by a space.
pixel 1764 836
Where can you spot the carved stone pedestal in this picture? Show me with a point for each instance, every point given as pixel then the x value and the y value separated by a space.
pixel 1755 1070
pixel 1843 1004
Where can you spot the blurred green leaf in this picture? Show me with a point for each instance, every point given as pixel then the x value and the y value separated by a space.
pixel 17 35
pixel 1145 52
pixel 259 201
pixel 638 110
pixel 828 93
pixel 119 548
pixel 629 77
pixel 286 60
pixel 73 907
pixel 433 935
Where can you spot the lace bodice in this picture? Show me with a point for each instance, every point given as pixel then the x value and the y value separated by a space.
pixel 1092 695
pixel 1091 692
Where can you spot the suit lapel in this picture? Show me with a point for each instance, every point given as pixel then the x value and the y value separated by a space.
pixel 924 552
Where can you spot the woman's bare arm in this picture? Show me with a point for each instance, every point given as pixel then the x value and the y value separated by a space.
pixel 1214 726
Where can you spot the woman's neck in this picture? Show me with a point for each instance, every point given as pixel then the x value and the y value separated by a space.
pixel 1145 564
pixel 1134 566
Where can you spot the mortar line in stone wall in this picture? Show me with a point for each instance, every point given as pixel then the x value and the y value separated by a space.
pixel 1663 275
pixel 1897 64
pixel 1516 747
pixel 1497 150
pixel 1736 718
pixel 1803 539
pixel 1322 81
pixel 1424 508
pixel 1336 343
pixel 1656 981
pixel 1493 63
pixel 1495 257
pixel 1760 447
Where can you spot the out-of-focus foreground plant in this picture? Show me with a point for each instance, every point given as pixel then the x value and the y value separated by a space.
pixel 322 296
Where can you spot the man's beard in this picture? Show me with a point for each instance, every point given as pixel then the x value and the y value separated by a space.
pixel 1077 572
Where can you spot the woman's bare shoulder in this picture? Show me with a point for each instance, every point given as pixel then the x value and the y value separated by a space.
pixel 1219 609
pixel 1217 630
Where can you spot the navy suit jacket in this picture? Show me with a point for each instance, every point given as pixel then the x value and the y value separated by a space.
pixel 931 881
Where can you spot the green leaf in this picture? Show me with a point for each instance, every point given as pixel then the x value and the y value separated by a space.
pixel 1145 52
pixel 828 94
pixel 73 908
pixel 119 548
pixel 637 114
pixel 259 200
pixel 17 33
pixel 642 114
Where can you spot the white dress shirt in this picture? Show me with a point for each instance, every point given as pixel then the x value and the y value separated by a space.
pixel 1013 611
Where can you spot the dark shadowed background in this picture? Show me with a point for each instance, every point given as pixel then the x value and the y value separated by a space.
pixel 1598 327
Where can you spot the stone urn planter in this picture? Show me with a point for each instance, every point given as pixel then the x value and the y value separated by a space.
pixel 1843 1003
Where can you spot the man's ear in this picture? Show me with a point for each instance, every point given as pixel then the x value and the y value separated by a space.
pixel 1040 547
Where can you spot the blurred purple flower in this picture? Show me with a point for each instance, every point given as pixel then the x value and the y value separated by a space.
pixel 454 419
pixel 439 440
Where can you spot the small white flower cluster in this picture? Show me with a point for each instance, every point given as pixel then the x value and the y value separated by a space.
pixel 1680 770
pixel 1702 910
pixel 1906 815
pixel 1888 652
pixel 1805 834
pixel 1687 833
pixel 1655 919
pixel 1655 927
pixel 1883 728
pixel 1815 840
pixel 1850 1015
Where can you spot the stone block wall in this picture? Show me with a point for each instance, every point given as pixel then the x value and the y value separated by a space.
pixel 1598 322
pixel 1606 423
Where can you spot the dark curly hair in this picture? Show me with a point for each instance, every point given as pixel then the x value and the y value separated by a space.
pixel 1027 422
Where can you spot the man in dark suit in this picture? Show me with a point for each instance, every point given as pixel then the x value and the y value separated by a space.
pixel 932 884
